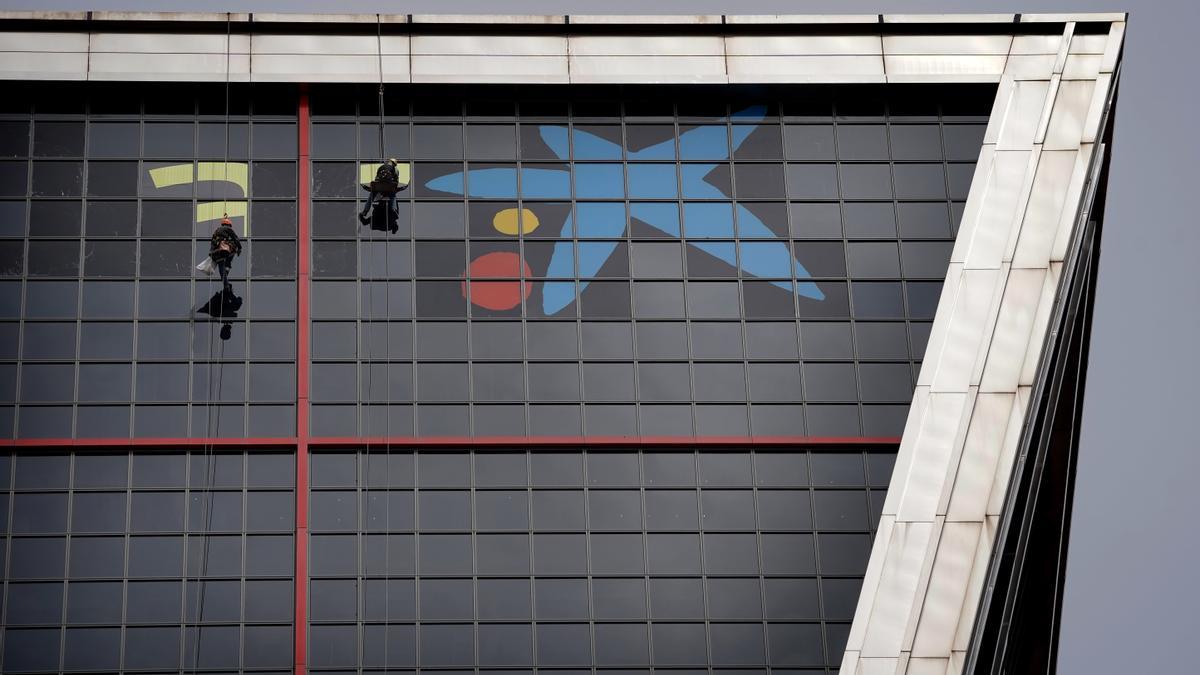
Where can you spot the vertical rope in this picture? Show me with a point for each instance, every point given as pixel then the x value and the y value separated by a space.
pixel 213 422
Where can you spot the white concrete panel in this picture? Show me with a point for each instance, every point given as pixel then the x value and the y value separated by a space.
pixel 1072 16
pixel 1039 136
pixel 982 239
pixel 879 666
pixel 749 69
pixel 981 452
pixel 1066 221
pixel 500 19
pixel 1064 45
pixel 315 45
pixel 966 326
pixel 171 16
pixel 1019 119
pixel 150 43
pixel 639 45
pixel 928 666
pixel 894 597
pixel 866 598
pixel 182 67
pixel 489 45
pixel 43 66
pixel 937 335
pixel 648 69
pixel 975 582
pixel 1112 48
pixel 1082 67
pixel 943 67
pixel 316 68
pixel 946 45
pixel 1041 319
pixel 904 456
pixel 396 69
pixel 277 17
pixel 949 18
pixel 943 78
pixel 1030 66
pixel 802 45
pixel 1013 334
pixel 1008 453
pixel 926 474
pixel 1091 123
pixel 1070 108
pixel 1035 44
pixel 1023 192
pixel 492 69
pixel 1088 44
pixel 43 16
pixel 43 42
pixel 800 18
pixel 1005 91
pixel 688 19
pixel 395 45
pixel 1044 210
pixel 942 506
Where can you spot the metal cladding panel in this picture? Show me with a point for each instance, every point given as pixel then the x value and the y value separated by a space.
pixel 647 69
pixel 823 68
pixel 919 602
pixel 792 45
pixel 43 66
pixel 490 69
pixel 488 45
pixel 186 67
pixel 43 42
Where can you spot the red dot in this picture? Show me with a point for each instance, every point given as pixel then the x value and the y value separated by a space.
pixel 497 294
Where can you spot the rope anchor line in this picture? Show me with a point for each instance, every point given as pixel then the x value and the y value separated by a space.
pixel 370 362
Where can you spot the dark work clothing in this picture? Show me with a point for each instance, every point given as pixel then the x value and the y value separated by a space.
pixel 370 199
pixel 225 233
pixel 223 261
pixel 221 258
pixel 386 174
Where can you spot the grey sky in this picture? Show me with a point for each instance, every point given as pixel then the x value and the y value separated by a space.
pixel 1132 593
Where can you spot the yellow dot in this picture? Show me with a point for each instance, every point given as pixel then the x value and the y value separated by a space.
pixel 515 221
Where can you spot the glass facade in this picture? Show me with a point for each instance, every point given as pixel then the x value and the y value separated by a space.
pixel 607 558
pixel 613 265
pixel 105 210
pixel 621 392
pixel 147 561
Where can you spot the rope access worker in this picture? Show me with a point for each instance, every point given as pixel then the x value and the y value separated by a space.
pixel 225 245
pixel 387 182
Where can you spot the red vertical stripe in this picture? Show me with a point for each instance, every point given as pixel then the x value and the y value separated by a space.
pixel 300 616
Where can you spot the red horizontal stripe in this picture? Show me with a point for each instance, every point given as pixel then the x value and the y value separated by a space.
pixel 410 441
pixel 286 441
pixel 466 441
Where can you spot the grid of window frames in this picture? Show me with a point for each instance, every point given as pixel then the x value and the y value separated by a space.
pixel 635 262
pixel 106 330
pixel 722 560
pixel 147 561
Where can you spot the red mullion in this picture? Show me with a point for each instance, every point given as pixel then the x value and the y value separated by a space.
pixel 303 238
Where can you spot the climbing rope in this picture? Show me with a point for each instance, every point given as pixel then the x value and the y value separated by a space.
pixel 213 422
pixel 370 363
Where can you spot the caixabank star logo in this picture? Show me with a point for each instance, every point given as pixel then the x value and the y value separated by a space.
pixel 569 242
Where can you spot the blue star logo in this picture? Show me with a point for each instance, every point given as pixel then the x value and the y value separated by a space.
pixel 598 220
